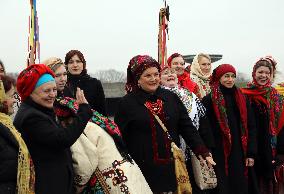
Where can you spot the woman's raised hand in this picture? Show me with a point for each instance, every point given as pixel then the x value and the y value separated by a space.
pixel 80 97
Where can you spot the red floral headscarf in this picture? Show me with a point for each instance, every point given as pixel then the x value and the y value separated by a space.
pixel 28 78
pixel 271 98
pixel 137 65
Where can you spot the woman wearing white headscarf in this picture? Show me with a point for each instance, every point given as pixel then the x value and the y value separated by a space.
pixel 200 72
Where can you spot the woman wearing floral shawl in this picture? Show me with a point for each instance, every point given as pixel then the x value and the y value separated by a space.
pixel 267 104
pixel 200 72
pixel 233 129
pixel 196 112
pixel 145 139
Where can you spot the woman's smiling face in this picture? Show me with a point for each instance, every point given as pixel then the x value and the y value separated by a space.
pixel 262 75
pixel 169 77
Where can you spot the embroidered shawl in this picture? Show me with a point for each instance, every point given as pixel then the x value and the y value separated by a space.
pixel 199 78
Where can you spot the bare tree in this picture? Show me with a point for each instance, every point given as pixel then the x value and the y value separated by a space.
pixel 110 76
pixel 242 79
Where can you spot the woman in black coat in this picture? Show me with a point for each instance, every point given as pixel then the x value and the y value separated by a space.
pixel 16 169
pixel 78 77
pixel 233 128
pixel 268 108
pixel 48 143
pixel 145 139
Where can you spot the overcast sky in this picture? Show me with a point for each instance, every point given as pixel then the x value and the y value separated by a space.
pixel 109 33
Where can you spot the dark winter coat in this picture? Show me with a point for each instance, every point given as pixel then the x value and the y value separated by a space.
pixel 236 182
pixel 92 88
pixel 264 166
pixel 135 124
pixel 8 161
pixel 49 145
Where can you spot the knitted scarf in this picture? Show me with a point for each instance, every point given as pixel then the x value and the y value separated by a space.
pixel 26 173
pixel 219 106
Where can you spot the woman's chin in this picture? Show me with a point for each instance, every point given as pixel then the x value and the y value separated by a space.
pixel 170 84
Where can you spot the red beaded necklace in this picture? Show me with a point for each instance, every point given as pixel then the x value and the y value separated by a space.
pixel 155 107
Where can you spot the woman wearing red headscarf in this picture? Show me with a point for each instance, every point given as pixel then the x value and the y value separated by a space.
pixel 267 104
pixel 233 128
pixel 176 62
pixel 145 139
pixel 48 143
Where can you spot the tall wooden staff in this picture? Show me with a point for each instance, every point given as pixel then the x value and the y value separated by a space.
pixel 163 33
pixel 33 41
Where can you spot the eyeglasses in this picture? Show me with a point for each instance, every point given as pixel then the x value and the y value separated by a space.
pixel 75 61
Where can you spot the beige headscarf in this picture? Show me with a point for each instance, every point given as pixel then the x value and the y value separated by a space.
pixel 53 63
pixel 25 174
pixel 199 78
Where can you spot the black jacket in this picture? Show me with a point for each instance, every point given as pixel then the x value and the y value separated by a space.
pixel 135 124
pixel 49 145
pixel 264 167
pixel 92 87
pixel 235 182
pixel 8 161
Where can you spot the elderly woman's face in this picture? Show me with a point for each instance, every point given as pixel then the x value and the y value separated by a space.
pixel 75 65
pixel 45 94
pixel 262 75
pixel 169 77
pixel 228 80
pixel 178 64
pixel 60 77
pixel 149 81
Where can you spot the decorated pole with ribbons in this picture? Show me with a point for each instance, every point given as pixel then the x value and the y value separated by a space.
pixel 163 34
pixel 33 40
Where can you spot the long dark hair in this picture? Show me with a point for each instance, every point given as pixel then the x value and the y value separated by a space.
pixel 71 53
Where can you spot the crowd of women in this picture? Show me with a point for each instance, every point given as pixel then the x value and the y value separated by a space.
pixel 62 142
